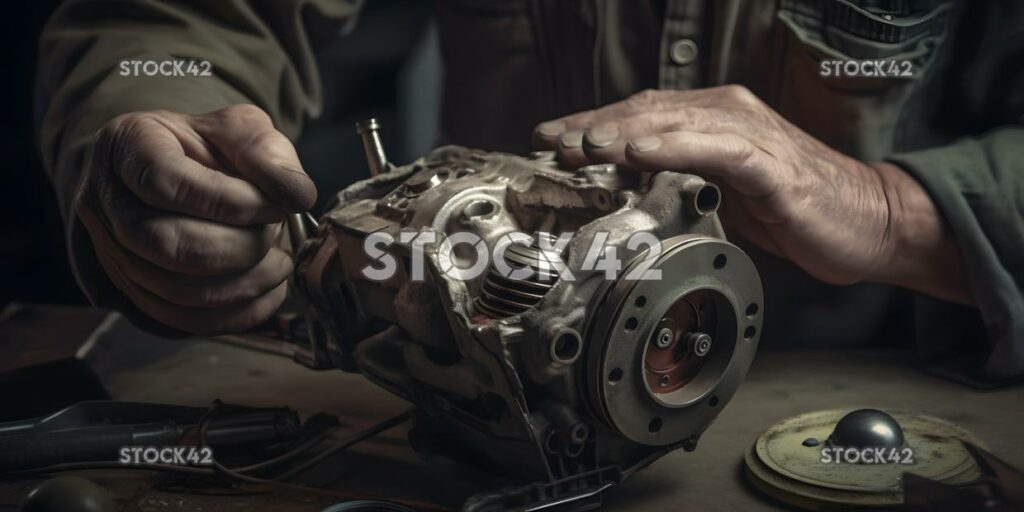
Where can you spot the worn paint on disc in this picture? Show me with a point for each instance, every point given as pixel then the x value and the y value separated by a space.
pixel 781 465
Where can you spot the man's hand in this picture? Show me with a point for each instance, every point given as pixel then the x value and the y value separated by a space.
pixel 841 220
pixel 183 212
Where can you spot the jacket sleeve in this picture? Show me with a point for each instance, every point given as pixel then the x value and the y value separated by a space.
pixel 259 52
pixel 978 184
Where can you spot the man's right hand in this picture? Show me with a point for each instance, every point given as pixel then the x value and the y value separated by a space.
pixel 184 212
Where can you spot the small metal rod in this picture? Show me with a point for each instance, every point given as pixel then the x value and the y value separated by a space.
pixel 296 231
pixel 369 131
pixel 311 220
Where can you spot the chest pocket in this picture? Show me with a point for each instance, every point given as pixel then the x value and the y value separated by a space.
pixel 849 67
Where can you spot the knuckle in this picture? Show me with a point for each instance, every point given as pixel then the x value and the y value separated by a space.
pixel 677 126
pixel 258 142
pixel 213 201
pixel 687 112
pixel 741 94
pixel 118 123
pixel 163 237
pixel 745 155
pixel 646 97
pixel 176 248
pixel 140 174
pixel 216 296
pixel 89 194
pixel 216 202
pixel 190 253
pixel 131 123
pixel 151 181
pixel 119 137
pixel 243 114
pixel 110 138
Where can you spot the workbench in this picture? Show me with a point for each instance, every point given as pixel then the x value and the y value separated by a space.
pixel 139 367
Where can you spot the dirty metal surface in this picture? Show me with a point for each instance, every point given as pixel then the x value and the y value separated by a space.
pixel 135 366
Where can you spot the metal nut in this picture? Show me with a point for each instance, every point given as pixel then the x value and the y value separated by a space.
pixel 699 343
pixel 664 337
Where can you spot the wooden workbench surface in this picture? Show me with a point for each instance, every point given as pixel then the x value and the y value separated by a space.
pixel 139 367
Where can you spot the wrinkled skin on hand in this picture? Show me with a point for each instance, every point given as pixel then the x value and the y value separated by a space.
pixel 184 211
pixel 841 220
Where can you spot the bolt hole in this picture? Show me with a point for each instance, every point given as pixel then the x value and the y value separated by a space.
pixel 713 402
pixel 615 375
pixel 640 302
pixel 749 332
pixel 752 309
pixel 579 433
pixel 654 426
pixel 567 347
pixel 707 200
pixel 720 261
pixel 479 208
pixel 631 323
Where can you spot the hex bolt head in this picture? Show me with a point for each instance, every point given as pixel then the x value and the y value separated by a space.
pixel 699 343
pixel 664 337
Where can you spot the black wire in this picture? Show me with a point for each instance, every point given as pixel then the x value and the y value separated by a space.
pixel 290 454
pixel 361 436
pixel 217 469
pixel 237 473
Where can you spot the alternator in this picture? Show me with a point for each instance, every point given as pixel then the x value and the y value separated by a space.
pixel 566 365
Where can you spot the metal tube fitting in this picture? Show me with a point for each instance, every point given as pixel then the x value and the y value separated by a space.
pixel 376 160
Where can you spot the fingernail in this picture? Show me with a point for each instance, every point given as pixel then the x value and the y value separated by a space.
pixel 571 140
pixel 602 135
pixel 551 128
pixel 644 144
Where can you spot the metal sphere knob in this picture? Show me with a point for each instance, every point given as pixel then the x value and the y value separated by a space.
pixel 867 428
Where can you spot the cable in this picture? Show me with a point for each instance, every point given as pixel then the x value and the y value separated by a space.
pixel 217 469
pixel 290 454
pixel 237 473
pixel 361 436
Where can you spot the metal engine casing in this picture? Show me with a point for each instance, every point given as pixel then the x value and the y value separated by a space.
pixel 560 391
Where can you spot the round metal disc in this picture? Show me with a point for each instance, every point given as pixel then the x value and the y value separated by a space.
pixel 632 313
pixel 786 462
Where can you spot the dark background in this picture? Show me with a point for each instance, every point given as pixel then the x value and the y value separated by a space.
pixel 388 67
pixel 32 257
